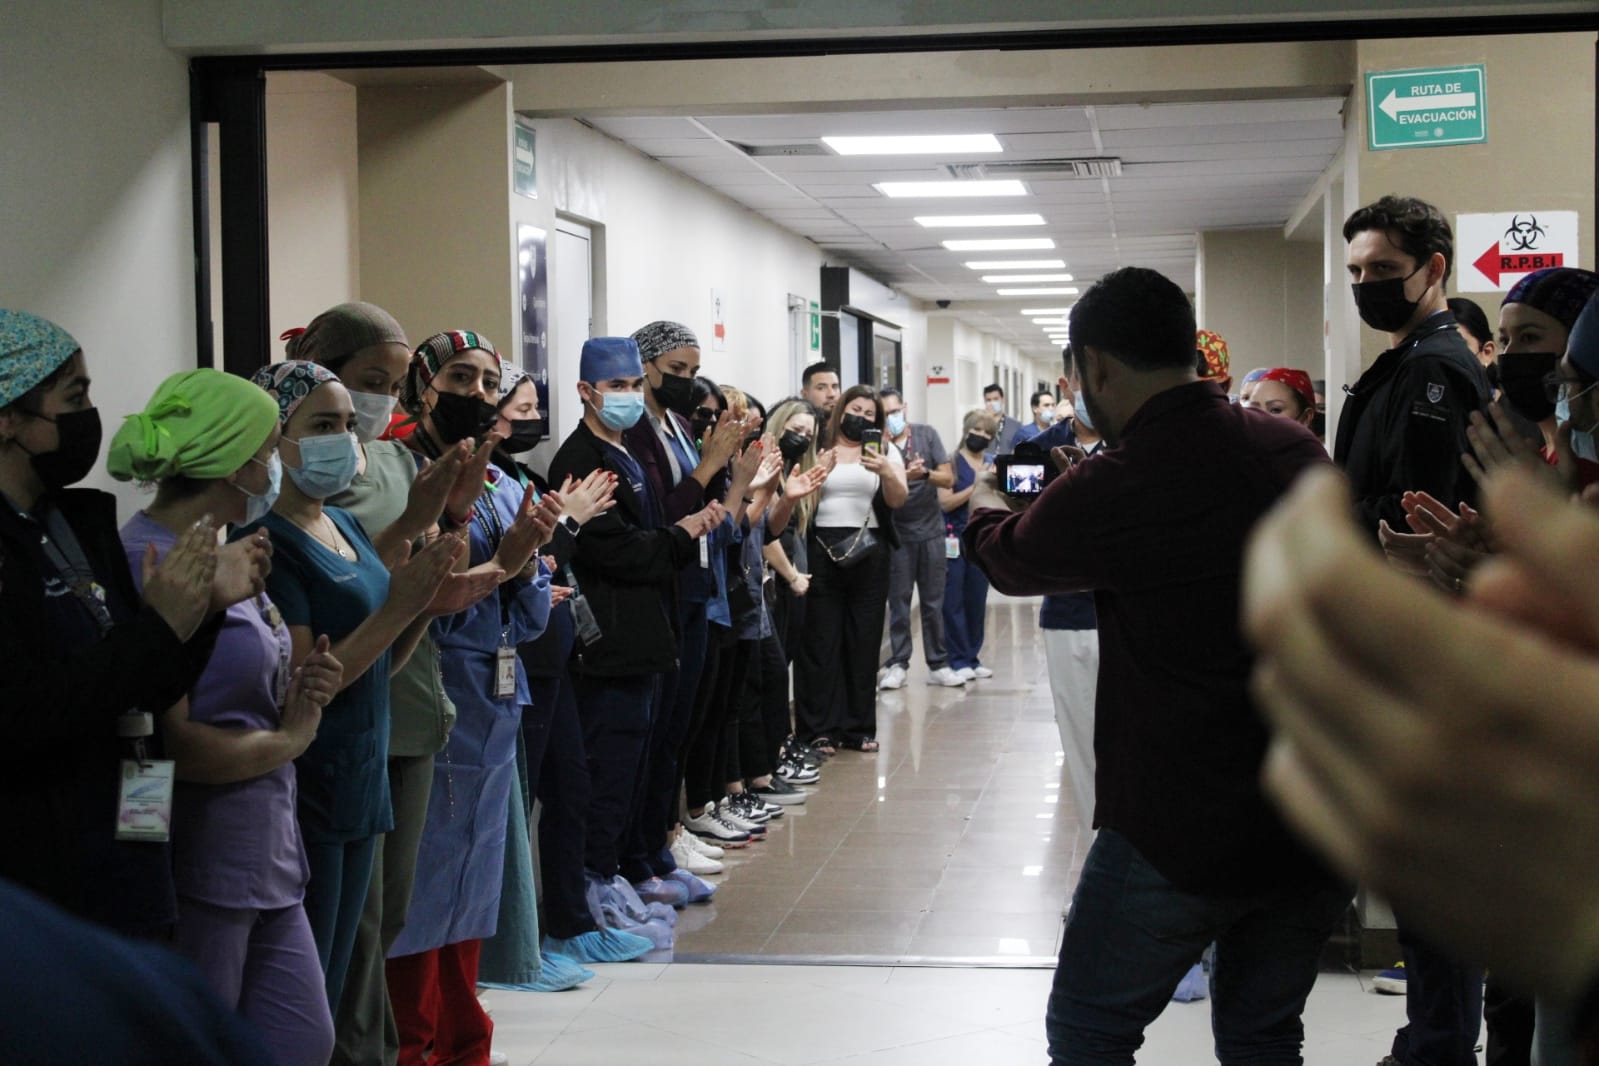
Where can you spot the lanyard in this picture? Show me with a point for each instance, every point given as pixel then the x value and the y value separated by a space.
pixel 65 556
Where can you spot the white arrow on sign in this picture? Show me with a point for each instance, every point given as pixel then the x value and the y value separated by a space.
pixel 1392 105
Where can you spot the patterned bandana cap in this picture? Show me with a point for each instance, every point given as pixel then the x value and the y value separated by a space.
pixel 658 338
pixel 1559 292
pixel 31 348
pixel 200 424
pixel 1582 347
pixel 511 376
pixel 1212 357
pixel 341 331
pixel 290 382
pixel 430 357
pixel 609 358
pixel 1256 374
pixel 1297 380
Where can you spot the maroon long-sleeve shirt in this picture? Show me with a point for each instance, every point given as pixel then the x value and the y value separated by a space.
pixel 1155 527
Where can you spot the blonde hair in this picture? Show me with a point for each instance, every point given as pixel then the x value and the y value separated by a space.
pixel 775 422
pixel 737 403
pixel 981 420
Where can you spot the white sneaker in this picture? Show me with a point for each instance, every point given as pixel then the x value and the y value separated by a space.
pixel 704 847
pixel 717 828
pixel 966 673
pixel 688 859
pixel 499 1058
pixel 982 672
pixel 893 677
pixel 726 813
pixel 946 677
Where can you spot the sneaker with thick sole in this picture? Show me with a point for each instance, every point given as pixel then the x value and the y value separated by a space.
pixel 730 815
pixel 966 673
pixel 946 677
pixel 704 847
pixel 1391 982
pixel 711 825
pixel 749 808
pixel 779 792
pixel 755 804
pixel 982 673
pixel 893 677
pixel 692 861
pixel 797 773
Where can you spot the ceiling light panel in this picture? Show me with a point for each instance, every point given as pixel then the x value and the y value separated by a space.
pixel 1001 244
pixel 1000 279
pixel 1050 322
pixel 938 189
pixel 968 221
pixel 1035 292
pixel 1046 310
pixel 1016 264
pixel 923 144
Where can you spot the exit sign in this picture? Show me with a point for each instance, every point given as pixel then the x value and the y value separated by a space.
pixel 1426 108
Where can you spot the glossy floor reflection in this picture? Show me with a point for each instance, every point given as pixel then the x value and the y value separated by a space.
pixel 958 840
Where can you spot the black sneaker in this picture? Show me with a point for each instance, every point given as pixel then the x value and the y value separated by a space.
pixel 749 808
pixel 796 751
pixel 779 792
pixel 796 772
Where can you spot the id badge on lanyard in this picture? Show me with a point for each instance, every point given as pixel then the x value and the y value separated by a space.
pixel 144 787
pixel 505 668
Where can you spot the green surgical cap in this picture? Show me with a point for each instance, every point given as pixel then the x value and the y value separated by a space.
pixel 199 424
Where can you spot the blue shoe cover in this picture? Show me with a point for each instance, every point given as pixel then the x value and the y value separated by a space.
pixel 1193 986
pixel 555 979
pixel 601 945
pixel 699 891
pixel 662 913
pixel 668 890
pixel 565 966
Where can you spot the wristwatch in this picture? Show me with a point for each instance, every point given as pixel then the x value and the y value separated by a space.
pixel 570 524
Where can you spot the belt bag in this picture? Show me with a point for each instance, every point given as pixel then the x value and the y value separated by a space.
pixel 848 550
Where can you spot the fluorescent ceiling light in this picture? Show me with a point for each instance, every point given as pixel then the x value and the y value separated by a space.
pixel 917 144
pixel 1036 292
pixel 930 189
pixel 1000 279
pixel 1001 244
pixel 931 221
pixel 1050 321
pixel 1016 264
pixel 1046 310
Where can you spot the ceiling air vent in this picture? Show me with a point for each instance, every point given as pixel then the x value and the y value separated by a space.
pixel 812 148
pixel 1106 167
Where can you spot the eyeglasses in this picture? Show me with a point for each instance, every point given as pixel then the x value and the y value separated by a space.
pixel 706 414
pixel 1557 389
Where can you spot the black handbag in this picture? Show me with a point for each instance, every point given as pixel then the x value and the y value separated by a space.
pixel 846 550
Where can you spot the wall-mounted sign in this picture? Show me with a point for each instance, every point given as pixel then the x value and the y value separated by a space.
pixel 1494 251
pixel 524 163
pixel 816 326
pixel 937 376
pixel 719 321
pixel 1426 108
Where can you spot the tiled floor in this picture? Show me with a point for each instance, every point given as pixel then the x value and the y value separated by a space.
pixel 957 840
pixel 750 1015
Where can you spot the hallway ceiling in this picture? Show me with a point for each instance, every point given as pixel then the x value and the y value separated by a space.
pixel 1185 167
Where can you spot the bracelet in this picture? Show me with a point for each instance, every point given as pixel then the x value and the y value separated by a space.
pixel 449 523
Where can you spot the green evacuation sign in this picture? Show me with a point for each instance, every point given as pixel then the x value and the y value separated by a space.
pixel 1426 108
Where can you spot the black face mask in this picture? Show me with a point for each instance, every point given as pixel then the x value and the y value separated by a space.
pixel 793 446
pixel 675 393
pixel 977 445
pixel 78 434
pixel 853 427
pixel 1382 304
pixel 1521 378
pixel 457 417
pixel 525 434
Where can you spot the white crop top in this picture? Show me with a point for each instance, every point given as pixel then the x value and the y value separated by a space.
pixel 846 499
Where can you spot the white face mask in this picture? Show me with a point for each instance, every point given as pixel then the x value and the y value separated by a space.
pixel 997 406
pixel 372 413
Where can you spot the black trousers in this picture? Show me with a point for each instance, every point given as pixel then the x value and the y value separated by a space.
pixel 702 764
pixel 836 667
pixel 564 794
pixel 1510 1020
pixel 1443 1007
pixel 615 714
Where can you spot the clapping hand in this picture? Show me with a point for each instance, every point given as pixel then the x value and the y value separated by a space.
pixel 801 484
pixel 242 569
pixel 1495 442
pixel 532 529
pixel 180 587
pixel 414 582
pixel 704 520
pixel 435 487
pixel 469 477
pixel 589 497
pixel 314 684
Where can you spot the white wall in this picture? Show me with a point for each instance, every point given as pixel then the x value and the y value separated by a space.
pixel 94 189
pixel 1263 294
pixel 313 209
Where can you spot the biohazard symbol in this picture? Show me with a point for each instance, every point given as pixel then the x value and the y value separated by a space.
pixel 1523 235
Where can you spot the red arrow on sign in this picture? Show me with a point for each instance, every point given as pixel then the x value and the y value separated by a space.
pixel 1494 263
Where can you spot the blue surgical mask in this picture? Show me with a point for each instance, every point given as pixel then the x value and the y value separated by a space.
pixel 621 410
pixel 372 411
pixel 1080 410
pixel 327 465
pixel 256 505
pixel 896 424
pixel 1046 415
pixel 1582 442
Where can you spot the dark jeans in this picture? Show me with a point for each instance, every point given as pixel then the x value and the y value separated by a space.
pixel 1443 1007
pixel 1509 1019
pixel 646 854
pixel 836 666
pixel 1132 935
pixel 917 565
pixel 564 796
pixel 768 679
pixel 965 598
pixel 615 712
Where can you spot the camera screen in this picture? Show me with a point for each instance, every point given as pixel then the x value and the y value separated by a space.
pixel 1024 479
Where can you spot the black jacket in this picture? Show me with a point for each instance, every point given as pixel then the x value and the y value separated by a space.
pixel 62 686
pixel 626 570
pixel 1403 426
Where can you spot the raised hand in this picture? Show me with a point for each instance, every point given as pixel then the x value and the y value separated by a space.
pixel 179 588
pixel 801 484
pixel 314 684
pixel 916 469
pixel 469 478
pixel 432 489
pixel 591 496
pixel 532 529
pixel 766 473
pixel 723 438
pixel 1066 456
pixel 749 462
pixel 1496 443
pixel 242 569
pixel 460 591
pixel 414 583
pixel 704 520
